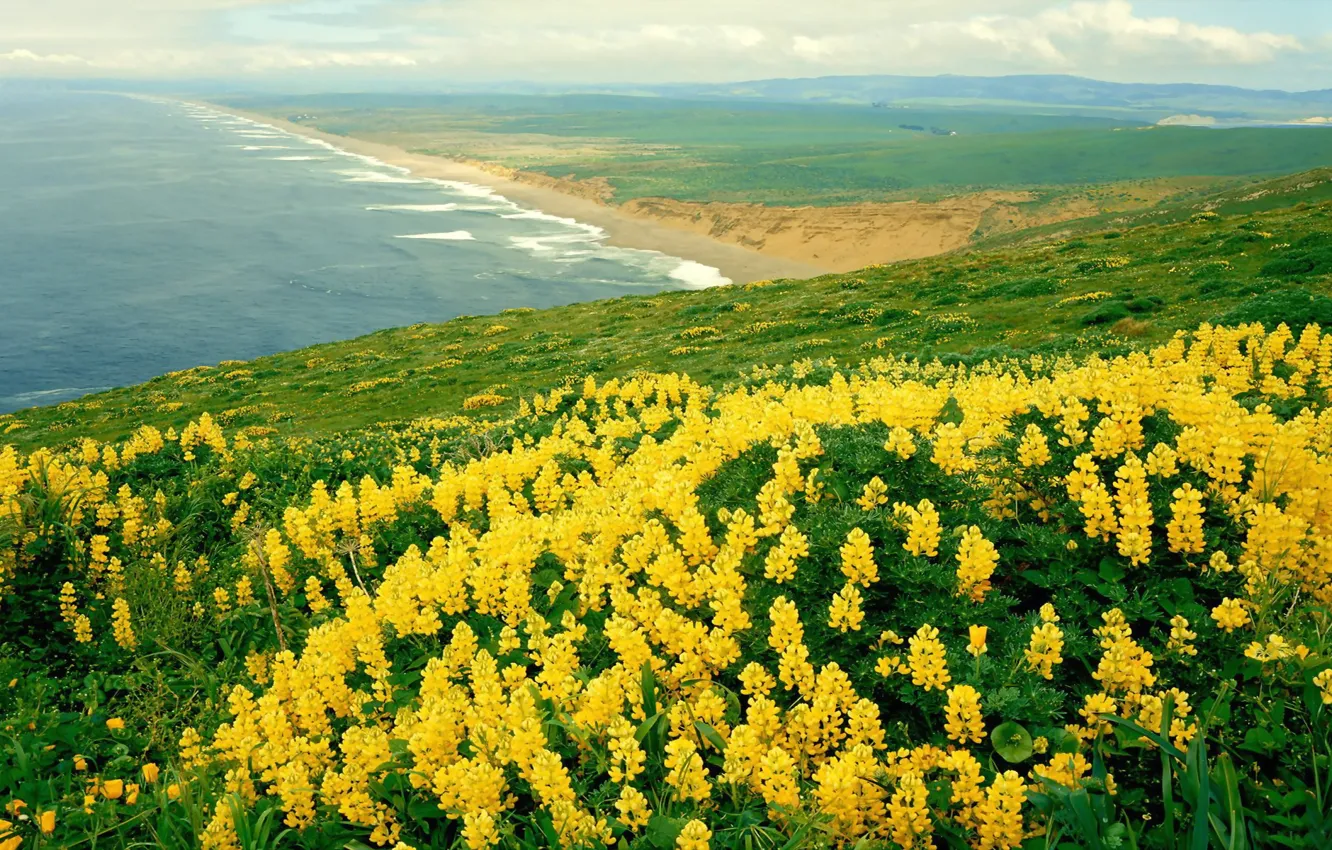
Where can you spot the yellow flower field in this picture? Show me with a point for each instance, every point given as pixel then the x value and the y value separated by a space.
pixel 896 605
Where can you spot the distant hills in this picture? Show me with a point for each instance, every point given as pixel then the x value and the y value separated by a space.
pixel 1026 93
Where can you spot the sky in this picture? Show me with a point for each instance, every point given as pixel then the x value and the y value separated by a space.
pixel 1254 43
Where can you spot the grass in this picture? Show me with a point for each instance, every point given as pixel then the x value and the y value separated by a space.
pixel 1060 297
pixel 787 154
pixel 1290 190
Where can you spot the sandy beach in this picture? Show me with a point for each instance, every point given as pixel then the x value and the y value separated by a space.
pixel 740 264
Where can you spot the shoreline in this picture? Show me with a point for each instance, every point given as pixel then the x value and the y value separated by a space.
pixel 737 263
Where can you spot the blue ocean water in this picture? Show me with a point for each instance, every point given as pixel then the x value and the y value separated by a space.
pixel 143 236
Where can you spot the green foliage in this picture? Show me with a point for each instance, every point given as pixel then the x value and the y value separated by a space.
pixel 1296 307
pixel 1310 256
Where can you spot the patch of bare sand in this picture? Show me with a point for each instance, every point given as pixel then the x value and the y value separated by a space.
pixel 841 238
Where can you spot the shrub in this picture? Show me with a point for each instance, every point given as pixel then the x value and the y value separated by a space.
pixel 1105 314
pixel 1295 307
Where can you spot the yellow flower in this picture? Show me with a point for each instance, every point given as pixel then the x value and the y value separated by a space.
pixel 150 772
pixel 874 494
pixel 173 791
pixel 11 843
pixel 976 560
pixel 927 659
pixel 977 646
pixel 1231 615
pixel 1323 681
pixel 964 715
pixel 46 821
pixel 132 793
pixel 1045 649
pixel 923 529
pixel 113 788
pixel 115 724
pixel 845 612
pixel 1034 450
pixel 694 836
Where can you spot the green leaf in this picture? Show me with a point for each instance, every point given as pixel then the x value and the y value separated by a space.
pixel 663 831
pixel 1012 741
pixel 645 728
pixel 1063 741
pixel 1111 570
pixel 711 735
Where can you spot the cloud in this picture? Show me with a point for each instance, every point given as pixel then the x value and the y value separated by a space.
pixel 1086 37
pixel 21 55
pixel 660 40
pixel 1113 23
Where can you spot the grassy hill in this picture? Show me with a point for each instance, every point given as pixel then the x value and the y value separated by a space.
pixel 1289 190
pixel 995 550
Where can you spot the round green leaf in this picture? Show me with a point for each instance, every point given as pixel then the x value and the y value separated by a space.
pixel 1012 741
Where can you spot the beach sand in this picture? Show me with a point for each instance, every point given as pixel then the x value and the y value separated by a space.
pixel 740 264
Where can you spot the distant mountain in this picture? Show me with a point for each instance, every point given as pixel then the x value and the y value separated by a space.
pixel 1194 103
pixel 1060 92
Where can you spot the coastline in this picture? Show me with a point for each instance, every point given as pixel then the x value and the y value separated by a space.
pixel 739 264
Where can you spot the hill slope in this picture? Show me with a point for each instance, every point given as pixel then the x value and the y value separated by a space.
pixel 1060 601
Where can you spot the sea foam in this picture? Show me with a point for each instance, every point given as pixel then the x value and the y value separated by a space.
pixel 361 176
pixel 451 236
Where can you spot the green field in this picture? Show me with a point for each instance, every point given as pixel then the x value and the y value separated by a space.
pixel 784 154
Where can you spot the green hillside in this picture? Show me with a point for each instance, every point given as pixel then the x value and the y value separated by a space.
pixel 1289 190
pixel 1004 550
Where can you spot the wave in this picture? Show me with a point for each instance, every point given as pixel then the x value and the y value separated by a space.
pixel 262 147
pixel 432 208
pixel 299 158
pixel 35 398
pixel 451 236
pixel 579 242
pixel 693 275
pixel 360 176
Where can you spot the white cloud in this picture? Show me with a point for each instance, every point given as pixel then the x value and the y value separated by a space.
pixel 21 55
pixel 646 40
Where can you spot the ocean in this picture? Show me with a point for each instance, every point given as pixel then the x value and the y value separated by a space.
pixel 139 237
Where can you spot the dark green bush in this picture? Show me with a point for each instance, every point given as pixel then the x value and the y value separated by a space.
pixel 1295 307
pixel 1144 305
pixel 1106 314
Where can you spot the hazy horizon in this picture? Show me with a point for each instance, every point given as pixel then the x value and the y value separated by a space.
pixel 310 44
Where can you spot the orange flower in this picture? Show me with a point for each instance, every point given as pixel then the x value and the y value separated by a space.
pixel 7 843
